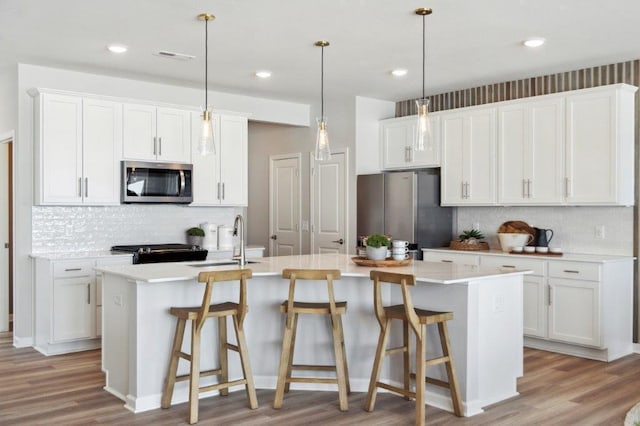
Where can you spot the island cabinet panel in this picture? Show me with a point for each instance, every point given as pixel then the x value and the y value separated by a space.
pixel 397 143
pixel 469 157
pixel 155 133
pixel 78 149
pixel 221 179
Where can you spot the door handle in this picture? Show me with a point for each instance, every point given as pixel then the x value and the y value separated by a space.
pixel 340 241
pixel 274 237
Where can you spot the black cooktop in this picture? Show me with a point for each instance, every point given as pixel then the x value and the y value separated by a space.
pixel 156 253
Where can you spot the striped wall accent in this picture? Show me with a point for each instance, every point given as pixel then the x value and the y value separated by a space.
pixel 623 72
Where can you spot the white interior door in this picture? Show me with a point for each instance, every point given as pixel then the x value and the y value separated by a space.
pixel 4 236
pixel 329 204
pixel 284 205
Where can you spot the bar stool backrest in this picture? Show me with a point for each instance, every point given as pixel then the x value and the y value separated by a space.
pixel 404 280
pixel 211 277
pixel 328 275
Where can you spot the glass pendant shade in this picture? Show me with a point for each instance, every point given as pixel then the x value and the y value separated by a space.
pixel 423 138
pixel 206 145
pixel 322 140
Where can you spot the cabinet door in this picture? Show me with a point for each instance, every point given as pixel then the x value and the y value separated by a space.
pixel 430 157
pixel 574 311
pixel 61 149
pixel 233 160
pixel 139 132
pixel 452 184
pixel 73 309
pixel 174 135
pixel 513 154
pixel 206 168
pixel 102 144
pixel 396 136
pixel 535 306
pixel 591 148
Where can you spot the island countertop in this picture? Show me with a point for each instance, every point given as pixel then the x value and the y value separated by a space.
pixel 427 272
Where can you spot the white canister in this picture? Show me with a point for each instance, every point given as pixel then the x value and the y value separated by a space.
pixel 225 237
pixel 210 241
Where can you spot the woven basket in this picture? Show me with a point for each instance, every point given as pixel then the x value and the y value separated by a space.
pixel 459 245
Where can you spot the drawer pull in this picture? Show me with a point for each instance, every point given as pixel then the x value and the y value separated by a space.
pixel 508 266
pixel 446 261
pixel 569 271
pixel 72 269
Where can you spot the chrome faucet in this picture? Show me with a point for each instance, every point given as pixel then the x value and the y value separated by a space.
pixel 239 224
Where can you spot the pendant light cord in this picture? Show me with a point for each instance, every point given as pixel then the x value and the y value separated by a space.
pixel 322 84
pixel 424 55
pixel 206 63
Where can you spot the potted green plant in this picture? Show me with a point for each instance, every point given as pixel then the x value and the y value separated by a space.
pixel 470 240
pixel 377 246
pixel 195 236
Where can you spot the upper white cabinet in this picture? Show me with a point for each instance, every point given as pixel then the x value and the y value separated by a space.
pixel 78 142
pixel 156 133
pixel 469 157
pixel 530 154
pixel 221 179
pixel 396 141
pixel 599 146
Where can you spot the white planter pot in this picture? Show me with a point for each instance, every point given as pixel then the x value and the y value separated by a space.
pixel 379 253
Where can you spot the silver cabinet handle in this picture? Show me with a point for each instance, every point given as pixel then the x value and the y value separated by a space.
pixel 88 294
pixel 446 261
pixel 72 269
pixel 549 295
pixel 570 271
pixel 508 266
pixel 223 190
pixel 462 189
pixel 528 188
pixel 86 187
pixel 567 186
pixel 160 146
pixel 155 145
pixel 524 188
pixel 79 187
pixel 218 196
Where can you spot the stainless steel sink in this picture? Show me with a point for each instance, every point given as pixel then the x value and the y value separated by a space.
pixel 222 263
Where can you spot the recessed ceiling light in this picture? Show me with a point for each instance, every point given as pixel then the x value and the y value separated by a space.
pixel 263 74
pixel 400 72
pixel 117 48
pixel 534 42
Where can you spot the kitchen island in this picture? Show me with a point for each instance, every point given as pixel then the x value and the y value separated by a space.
pixel 486 332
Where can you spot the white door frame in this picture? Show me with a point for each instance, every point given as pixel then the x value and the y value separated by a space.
pixel 8 137
pixel 312 196
pixel 272 158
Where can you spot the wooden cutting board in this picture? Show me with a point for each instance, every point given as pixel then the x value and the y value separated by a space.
pixel 363 261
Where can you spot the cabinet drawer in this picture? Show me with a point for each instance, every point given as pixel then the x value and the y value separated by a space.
pixel 82 268
pixel 507 263
pixel 457 258
pixel 574 270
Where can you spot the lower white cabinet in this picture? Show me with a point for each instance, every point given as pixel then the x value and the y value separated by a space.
pixel 68 310
pixel 574 311
pixel 451 257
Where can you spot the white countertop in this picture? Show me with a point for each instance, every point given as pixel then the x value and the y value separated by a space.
pixel 575 257
pixel 428 272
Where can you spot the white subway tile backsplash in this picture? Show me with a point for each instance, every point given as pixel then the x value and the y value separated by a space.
pixel 573 227
pixel 59 229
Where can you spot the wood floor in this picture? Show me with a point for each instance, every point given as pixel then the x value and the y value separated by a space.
pixel 555 390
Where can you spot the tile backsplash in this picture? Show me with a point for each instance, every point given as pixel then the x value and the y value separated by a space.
pixel 75 229
pixel 574 227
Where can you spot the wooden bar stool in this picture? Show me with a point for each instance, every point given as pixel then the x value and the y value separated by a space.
pixel 293 309
pixel 198 315
pixel 418 319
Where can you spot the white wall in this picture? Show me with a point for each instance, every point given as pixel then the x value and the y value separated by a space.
pixel 368 113
pixel 30 76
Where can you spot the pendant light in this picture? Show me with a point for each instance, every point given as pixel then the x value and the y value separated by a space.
pixel 206 145
pixel 322 137
pixel 423 137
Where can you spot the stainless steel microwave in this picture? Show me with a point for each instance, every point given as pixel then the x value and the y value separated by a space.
pixel 146 182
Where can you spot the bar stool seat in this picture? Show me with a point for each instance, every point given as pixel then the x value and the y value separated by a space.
pixel 415 320
pixel 198 316
pixel 293 308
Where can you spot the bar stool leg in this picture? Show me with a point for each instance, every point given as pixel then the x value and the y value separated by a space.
pixel 170 381
pixel 344 354
pixel 223 354
pixel 246 365
pixel 293 347
pixel 451 372
pixel 377 366
pixel 406 342
pixel 340 370
pixel 421 356
pixel 194 381
pixel 284 362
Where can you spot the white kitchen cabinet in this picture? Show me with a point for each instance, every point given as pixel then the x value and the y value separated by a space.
pixel 468 157
pixel 156 133
pixel 574 311
pixel 221 179
pixel 458 258
pixel 396 142
pixel 599 146
pixel 73 309
pixel 530 152
pixel 78 143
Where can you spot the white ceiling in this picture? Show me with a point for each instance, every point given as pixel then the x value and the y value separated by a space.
pixel 470 42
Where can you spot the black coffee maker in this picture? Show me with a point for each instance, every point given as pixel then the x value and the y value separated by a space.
pixel 542 237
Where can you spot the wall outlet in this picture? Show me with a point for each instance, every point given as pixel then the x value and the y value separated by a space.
pixel 599 232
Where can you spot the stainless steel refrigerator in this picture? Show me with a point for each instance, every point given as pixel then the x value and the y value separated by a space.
pixel 405 205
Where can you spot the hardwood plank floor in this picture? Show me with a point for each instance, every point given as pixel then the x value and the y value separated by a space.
pixel 555 390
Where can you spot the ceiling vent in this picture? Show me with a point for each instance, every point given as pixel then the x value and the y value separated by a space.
pixel 174 55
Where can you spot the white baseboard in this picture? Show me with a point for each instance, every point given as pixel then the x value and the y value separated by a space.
pixel 636 348
pixel 22 342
